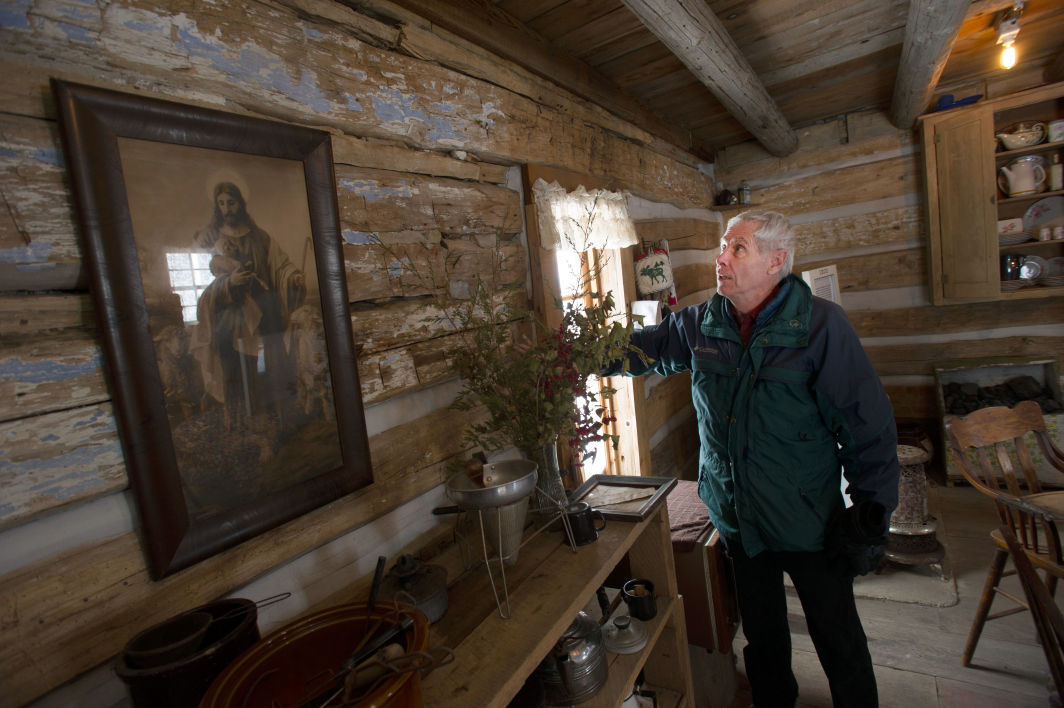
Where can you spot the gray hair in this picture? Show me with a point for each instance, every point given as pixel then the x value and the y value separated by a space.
pixel 775 232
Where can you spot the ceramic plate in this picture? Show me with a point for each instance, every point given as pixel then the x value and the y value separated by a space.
pixel 1044 212
pixel 1013 239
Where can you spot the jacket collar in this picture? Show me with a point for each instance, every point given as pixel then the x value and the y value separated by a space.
pixel 785 320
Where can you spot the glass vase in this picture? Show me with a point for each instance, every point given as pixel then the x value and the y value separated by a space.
pixel 548 477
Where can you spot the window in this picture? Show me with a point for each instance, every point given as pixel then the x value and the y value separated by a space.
pixel 190 274
pixel 580 274
pixel 581 235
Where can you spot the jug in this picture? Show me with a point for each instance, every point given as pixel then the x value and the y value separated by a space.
pixel 1024 175
pixel 576 668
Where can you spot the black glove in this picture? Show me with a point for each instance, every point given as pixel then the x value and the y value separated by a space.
pixel 857 537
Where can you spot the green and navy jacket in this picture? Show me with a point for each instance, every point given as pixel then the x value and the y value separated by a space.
pixel 781 418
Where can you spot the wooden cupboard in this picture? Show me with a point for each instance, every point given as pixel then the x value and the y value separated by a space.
pixel 962 157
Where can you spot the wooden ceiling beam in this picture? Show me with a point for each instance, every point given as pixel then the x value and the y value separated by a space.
pixel 486 25
pixel 694 34
pixel 930 32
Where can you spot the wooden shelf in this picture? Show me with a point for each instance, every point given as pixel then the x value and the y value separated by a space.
pixel 548 585
pixel 1004 156
pixel 1030 197
pixel 732 207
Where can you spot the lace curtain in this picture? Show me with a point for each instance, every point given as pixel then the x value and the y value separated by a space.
pixel 582 220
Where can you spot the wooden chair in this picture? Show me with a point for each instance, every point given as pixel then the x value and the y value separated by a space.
pixel 986 431
pixel 1022 522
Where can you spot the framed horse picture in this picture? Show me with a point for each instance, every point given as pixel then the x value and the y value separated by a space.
pixel 216 270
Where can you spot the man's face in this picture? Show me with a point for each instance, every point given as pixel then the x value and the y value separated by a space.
pixel 745 275
pixel 230 209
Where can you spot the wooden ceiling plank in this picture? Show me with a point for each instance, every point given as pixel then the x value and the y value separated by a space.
pixel 695 35
pixel 932 27
pixel 528 10
pixel 571 14
pixel 632 42
pixel 603 32
pixel 833 57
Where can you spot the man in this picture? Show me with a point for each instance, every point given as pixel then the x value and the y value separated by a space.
pixel 245 311
pixel 787 404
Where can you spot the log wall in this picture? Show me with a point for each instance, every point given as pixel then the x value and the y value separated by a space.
pixel 855 192
pixel 427 130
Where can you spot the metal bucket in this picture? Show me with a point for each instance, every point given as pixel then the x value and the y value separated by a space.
pixel 187 674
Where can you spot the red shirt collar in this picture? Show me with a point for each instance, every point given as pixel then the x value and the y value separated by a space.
pixel 746 322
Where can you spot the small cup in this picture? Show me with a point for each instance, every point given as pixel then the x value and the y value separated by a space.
pixel 1056 131
pixel 582 520
pixel 638 594
pixel 1045 234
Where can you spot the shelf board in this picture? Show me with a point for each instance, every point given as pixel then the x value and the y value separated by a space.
pixel 547 586
pixel 1029 197
pixel 1033 291
pixel 1028 245
pixel 1005 155
pixel 731 207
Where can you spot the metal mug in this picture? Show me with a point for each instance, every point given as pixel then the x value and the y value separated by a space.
pixel 638 594
pixel 582 520
pixel 1010 266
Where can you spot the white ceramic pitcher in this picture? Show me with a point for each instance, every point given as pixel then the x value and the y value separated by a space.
pixel 1023 176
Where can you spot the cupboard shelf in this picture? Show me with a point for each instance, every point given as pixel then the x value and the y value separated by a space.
pixel 1029 197
pixel 548 585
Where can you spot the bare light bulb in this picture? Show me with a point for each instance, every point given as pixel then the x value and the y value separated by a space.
pixel 1008 56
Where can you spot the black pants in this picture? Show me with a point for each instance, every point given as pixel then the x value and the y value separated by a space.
pixel 826 594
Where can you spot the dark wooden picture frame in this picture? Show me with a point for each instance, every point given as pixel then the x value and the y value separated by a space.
pixel 635 510
pixel 233 376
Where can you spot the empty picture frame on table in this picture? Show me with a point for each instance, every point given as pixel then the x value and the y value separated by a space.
pixel 217 274
pixel 628 498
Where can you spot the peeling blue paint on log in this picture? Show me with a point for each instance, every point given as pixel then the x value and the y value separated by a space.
pixel 442 131
pixel 372 191
pixel 15 14
pixel 359 238
pixel 255 67
pixel 36 252
pixel 50 156
pixel 393 107
pixel 34 372
pixel 84 461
